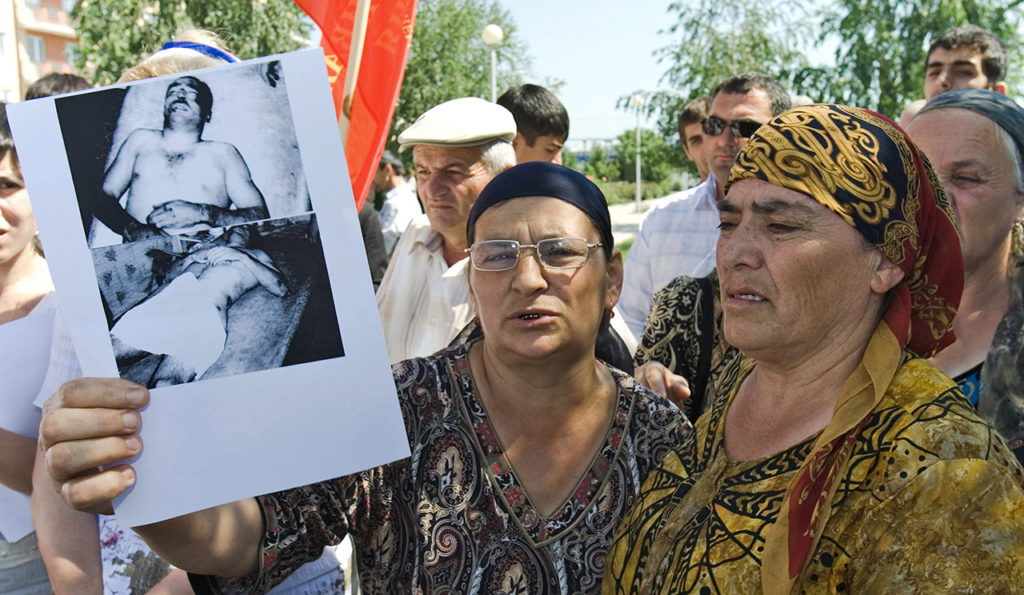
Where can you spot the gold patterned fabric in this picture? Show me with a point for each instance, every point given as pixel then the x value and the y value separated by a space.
pixel 931 502
pixel 866 170
pixel 774 531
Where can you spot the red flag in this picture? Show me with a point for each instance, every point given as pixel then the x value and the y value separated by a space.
pixel 388 34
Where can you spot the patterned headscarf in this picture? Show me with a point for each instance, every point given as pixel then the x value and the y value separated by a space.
pixel 863 168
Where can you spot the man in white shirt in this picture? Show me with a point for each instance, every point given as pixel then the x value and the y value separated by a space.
pixel 677 237
pixel 458 146
pixel 400 202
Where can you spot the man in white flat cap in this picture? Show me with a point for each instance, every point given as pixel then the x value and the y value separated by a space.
pixel 457 147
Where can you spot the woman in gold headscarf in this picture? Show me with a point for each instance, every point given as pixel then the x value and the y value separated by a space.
pixel 835 456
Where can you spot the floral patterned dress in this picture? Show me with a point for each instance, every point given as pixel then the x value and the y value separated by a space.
pixel 454 517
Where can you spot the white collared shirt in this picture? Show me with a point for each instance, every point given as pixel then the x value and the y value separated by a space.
pixel 400 207
pixel 423 303
pixel 677 237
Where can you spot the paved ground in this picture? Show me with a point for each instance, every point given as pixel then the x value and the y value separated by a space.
pixel 626 219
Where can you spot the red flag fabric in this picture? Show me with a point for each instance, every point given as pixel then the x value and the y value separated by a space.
pixel 388 35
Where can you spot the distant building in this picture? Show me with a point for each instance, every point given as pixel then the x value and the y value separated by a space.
pixel 36 38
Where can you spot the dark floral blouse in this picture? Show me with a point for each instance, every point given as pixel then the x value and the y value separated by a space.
pixel 454 517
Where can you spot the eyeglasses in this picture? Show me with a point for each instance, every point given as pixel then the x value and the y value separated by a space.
pixel 713 126
pixel 554 253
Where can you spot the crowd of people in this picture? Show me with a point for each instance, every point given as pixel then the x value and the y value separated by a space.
pixel 806 375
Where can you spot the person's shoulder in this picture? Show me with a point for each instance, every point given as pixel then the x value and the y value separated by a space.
pixel 425 383
pixel 926 418
pixel 656 426
pixel 678 204
pixel 419 228
pixel 646 400
pixel 143 138
pixel 417 233
pixel 682 293
pixel 683 284
pixel 683 199
pixel 401 194
pixel 219 148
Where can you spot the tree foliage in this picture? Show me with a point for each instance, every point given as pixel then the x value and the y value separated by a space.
pixel 658 158
pixel 116 34
pixel 599 165
pixel 447 58
pixel 882 44
pixel 714 39
pixel 879 46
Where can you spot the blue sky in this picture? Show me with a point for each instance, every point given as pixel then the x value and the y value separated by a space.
pixel 602 49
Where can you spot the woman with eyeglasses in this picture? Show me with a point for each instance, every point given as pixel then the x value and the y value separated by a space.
pixel 527 451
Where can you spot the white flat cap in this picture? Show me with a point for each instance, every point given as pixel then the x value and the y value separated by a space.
pixel 460 123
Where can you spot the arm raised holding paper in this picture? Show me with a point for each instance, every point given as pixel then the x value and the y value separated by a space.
pixel 464 510
pixel 91 424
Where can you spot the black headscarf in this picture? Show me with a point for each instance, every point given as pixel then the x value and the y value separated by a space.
pixel 540 178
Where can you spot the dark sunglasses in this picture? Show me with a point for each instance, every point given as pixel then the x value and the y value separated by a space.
pixel 713 126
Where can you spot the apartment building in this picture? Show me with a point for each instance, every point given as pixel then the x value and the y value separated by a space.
pixel 36 38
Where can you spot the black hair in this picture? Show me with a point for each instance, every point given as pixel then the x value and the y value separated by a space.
pixel 204 98
pixel 746 82
pixel 537 112
pixel 389 158
pixel 56 83
pixel 6 138
pixel 694 113
pixel 994 61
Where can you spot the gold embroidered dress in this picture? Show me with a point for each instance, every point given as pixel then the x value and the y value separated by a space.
pixel 915 512
pixel 905 489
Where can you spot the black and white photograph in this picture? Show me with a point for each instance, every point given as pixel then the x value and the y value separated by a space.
pixel 194 152
pixel 202 235
pixel 244 298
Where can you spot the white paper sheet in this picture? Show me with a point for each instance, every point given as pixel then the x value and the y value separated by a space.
pixel 229 436
pixel 24 358
pixel 15 515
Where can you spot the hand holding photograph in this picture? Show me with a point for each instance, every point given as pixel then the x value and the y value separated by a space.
pixel 203 239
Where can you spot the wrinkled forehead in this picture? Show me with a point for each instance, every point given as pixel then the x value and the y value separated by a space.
pixel 441 156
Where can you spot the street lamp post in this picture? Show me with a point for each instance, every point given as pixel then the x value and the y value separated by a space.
pixel 638 102
pixel 492 36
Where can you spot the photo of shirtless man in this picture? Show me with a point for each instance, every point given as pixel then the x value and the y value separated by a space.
pixel 172 179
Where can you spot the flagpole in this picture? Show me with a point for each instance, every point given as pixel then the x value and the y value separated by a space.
pixel 355 56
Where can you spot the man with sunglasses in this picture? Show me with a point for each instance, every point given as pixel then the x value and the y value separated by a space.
pixel 677 237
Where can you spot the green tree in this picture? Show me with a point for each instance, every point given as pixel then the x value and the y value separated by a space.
pixel 447 58
pixel 714 39
pixel 882 44
pixel 116 34
pixel 599 165
pixel 658 159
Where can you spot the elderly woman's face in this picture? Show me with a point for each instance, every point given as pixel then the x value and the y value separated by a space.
pixel 533 312
pixel 977 173
pixel 795 277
